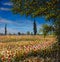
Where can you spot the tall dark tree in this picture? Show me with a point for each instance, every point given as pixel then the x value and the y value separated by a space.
pixel 19 33
pixel 5 29
pixel 35 27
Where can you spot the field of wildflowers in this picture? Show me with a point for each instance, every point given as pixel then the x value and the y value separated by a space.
pixel 17 48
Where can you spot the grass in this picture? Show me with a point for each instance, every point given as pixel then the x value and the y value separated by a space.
pixel 21 48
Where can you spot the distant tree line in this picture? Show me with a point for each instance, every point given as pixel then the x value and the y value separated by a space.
pixel 46 30
pixel 19 33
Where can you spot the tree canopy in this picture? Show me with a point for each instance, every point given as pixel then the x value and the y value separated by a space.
pixel 48 8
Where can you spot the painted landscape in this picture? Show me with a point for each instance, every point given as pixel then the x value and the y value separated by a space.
pixel 29 30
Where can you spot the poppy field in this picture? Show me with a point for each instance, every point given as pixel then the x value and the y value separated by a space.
pixel 18 48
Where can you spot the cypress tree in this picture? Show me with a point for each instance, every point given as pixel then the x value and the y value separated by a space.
pixel 5 29
pixel 34 28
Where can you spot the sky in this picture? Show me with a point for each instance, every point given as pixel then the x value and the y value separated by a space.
pixel 15 22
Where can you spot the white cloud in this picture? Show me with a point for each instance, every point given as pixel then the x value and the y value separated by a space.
pixel 17 24
pixel 5 9
pixel 9 30
pixel 8 3
pixel 5 21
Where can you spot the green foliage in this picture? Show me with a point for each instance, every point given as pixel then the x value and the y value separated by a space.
pixel 28 33
pixel 36 7
pixel 46 29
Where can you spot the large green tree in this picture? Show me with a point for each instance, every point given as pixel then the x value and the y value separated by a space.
pixel 50 9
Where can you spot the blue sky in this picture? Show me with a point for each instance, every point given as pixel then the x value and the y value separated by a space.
pixel 16 22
